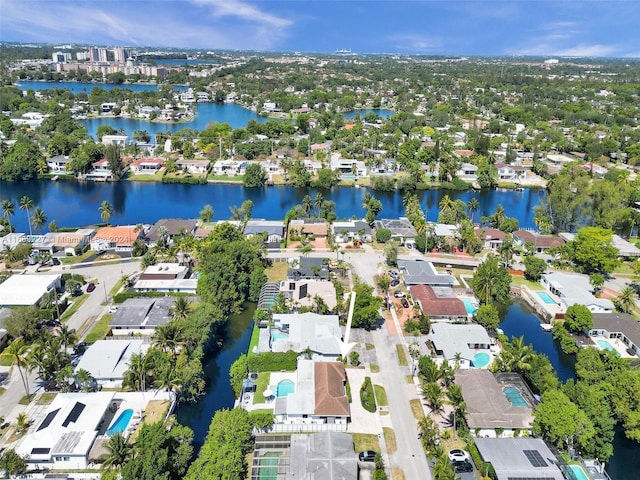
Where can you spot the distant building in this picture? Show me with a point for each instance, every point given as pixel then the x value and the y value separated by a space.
pixel 27 290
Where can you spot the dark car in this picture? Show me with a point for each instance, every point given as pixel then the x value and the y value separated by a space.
pixel 51 386
pixel 462 466
pixel 395 282
pixel 79 347
pixel 55 261
pixel 367 456
pixel 53 323
pixel 405 303
pixel 91 287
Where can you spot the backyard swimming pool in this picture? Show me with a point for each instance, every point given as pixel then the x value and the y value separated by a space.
pixel 121 423
pixel 481 360
pixel 603 344
pixel 284 388
pixel 468 304
pixel 278 335
pixel 515 397
pixel 546 298
pixel 579 472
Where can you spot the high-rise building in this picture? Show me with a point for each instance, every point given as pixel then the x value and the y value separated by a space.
pixel 121 54
pixel 58 57
pixel 94 56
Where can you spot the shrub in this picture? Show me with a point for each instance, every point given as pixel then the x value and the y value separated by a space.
pixel 186 180
pixel 366 395
pixel 383 235
pixel 273 361
pixel 121 297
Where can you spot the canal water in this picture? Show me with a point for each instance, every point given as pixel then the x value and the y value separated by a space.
pixel 520 320
pixel 76 204
pixel 218 394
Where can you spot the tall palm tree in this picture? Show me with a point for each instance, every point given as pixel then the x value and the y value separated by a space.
pixel 22 422
pixel 135 377
pixel 120 450
pixel 8 209
pixel 168 337
pixel 39 219
pixel 27 204
pixel 473 206
pixel 317 202
pixel 180 308
pixel 433 395
pixel 67 336
pixel 517 356
pixel 307 204
pixel 17 353
pixel 626 300
pixel 106 210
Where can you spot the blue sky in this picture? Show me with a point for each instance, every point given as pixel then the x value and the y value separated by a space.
pixel 456 27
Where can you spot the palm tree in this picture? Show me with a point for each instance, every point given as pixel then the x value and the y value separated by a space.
pixel 8 209
pixel 317 202
pixel 16 352
pixel 106 210
pixel 517 356
pixel 180 308
pixel 626 300
pixel 27 204
pixel 22 422
pixel 307 204
pixel 120 450
pixel 168 337
pixel 206 214
pixel 473 206
pixel 433 395
pixel 135 377
pixel 67 336
pixel 83 379
pixel 39 218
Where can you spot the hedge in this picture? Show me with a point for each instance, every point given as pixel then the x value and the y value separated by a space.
pixel 121 297
pixel 186 180
pixel 273 361
pixel 366 395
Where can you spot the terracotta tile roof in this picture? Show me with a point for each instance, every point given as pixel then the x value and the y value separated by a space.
pixel 438 305
pixel 488 233
pixel 121 236
pixel 543 241
pixel 331 397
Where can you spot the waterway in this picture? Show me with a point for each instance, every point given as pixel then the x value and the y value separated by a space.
pixel 218 394
pixel 76 204
pixel 86 87
pixel 520 320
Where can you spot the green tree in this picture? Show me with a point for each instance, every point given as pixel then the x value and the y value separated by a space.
pixel 206 214
pixel 391 253
pixel 237 373
pixel 26 204
pixel 597 281
pixel 491 281
pixel 473 206
pixel 591 250
pixel 578 319
pixel 626 300
pixel 12 463
pixel 254 176
pixel 39 219
pixel 106 210
pixel 113 154
pixel 16 352
pixel 488 316
pixel 8 210
pixel 534 268
pixel 383 235
pixel 119 451
pixel 366 312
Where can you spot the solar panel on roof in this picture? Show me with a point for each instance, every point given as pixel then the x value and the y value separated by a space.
pixel 48 419
pixel 74 414
pixel 535 458
pixel 40 451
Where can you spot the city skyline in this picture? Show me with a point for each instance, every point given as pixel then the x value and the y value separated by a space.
pixel 499 27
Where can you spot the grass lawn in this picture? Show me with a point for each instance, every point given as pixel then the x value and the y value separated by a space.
pixel 520 281
pixel 277 271
pixel 409 378
pixel 156 410
pixel 25 400
pixel 76 259
pixel 116 288
pixel 226 178
pixel 262 382
pixel 375 368
pixel 72 309
pixel 416 409
pixel 156 177
pixel 366 441
pixel 100 329
pixel 46 398
pixel 397 474
pixel 381 396
pixel 255 338
pixel 402 356
pixel 390 440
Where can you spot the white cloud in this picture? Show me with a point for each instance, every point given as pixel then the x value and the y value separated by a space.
pixel 245 11
pixel 581 50
pixel 417 43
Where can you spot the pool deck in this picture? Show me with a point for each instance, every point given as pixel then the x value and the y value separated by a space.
pixel 546 310
pixel 616 343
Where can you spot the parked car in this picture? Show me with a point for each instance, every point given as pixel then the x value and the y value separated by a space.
pixel 395 282
pixel 53 323
pixel 458 454
pixel 405 303
pixel 462 466
pixel 91 287
pixel 113 309
pixel 367 456
pixel 55 261
pixel 79 347
pixel 393 273
pixel 399 294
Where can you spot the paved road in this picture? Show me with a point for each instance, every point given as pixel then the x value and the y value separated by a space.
pixel 89 312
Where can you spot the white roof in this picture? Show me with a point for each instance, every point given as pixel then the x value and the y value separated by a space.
pixel 25 290
pixel 321 333
pixel 171 284
pixel 109 359
pixel 456 338
pixel 303 400
pixel 165 268
pixel 575 290
pixel 69 426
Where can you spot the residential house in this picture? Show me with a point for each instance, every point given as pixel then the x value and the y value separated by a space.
pixel 575 289
pixel 401 230
pixel 510 173
pixel 620 326
pixel 100 170
pixel 460 343
pixel 272 229
pixel 108 360
pixel 272 167
pixel 230 168
pixel 320 398
pixel 141 316
pixel 119 140
pixel 420 272
pixel 314 227
pixel 319 334
pixel 491 238
pixel 193 166
pixel 541 243
pixel 309 268
pixel 523 457
pixel 348 168
pixel 439 303
pixel 489 411
pixel 26 290
pixel 120 239
pixel 58 164
pixel 166 277
pixel 146 166
pixel 348 231
pixel 70 243
pixel 172 228
pixel 468 172
pixel 597 171
pixel 303 292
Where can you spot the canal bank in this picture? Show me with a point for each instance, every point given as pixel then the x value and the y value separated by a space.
pixel 518 319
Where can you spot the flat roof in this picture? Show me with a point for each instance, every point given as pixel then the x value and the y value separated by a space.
pixel 320 333
pixel 420 272
pixel 109 359
pixel 323 456
pixel 25 290
pixel 453 338
pixel 487 405
pixel 575 289
pixel 522 457
pixel 139 312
